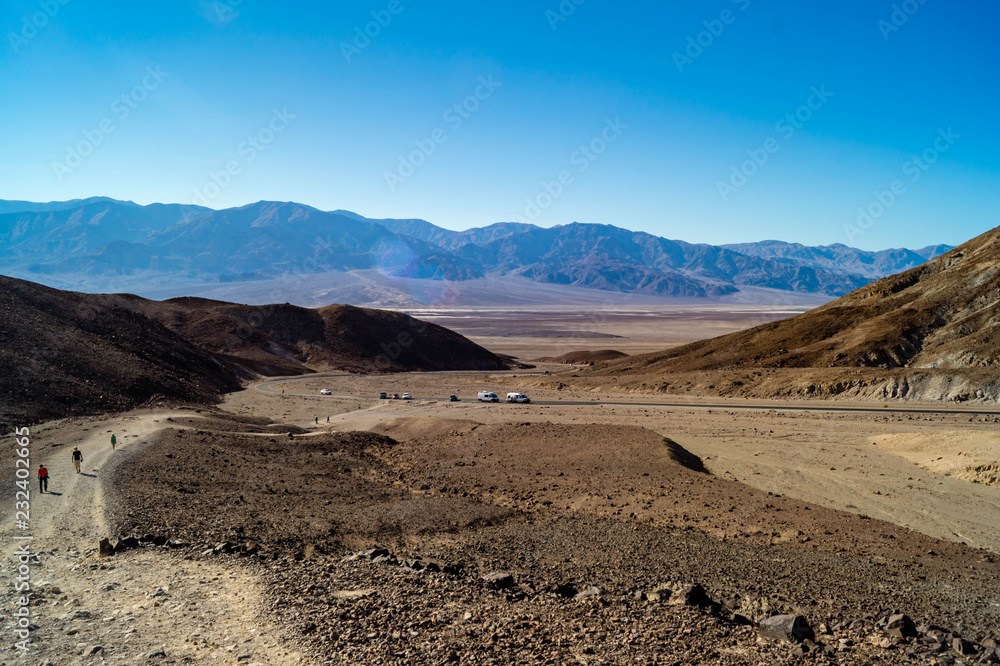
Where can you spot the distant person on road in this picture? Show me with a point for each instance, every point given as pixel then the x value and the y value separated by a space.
pixel 317 420
pixel 77 459
pixel 113 442
pixel 43 478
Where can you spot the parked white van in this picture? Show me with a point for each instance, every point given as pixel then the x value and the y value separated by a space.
pixel 518 397
pixel 488 396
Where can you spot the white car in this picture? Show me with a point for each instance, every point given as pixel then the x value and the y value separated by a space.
pixel 326 392
pixel 407 396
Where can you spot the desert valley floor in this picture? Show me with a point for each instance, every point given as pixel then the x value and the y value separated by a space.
pixel 568 530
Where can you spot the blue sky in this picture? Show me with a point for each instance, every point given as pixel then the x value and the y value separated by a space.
pixel 861 122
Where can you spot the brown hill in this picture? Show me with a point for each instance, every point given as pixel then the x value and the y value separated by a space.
pixel 904 336
pixel 290 340
pixel 65 353
pixel 584 357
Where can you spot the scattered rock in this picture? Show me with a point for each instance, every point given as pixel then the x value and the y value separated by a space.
pixel 589 592
pixel 565 590
pixel 792 628
pixel 351 595
pixel 660 594
pixel 498 580
pixel 692 595
pixel 901 626
pixel 962 646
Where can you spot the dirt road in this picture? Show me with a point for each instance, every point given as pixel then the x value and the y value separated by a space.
pixel 129 607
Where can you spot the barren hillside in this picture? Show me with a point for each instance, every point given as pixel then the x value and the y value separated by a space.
pixel 902 336
pixel 65 353
pixel 584 357
pixel 288 340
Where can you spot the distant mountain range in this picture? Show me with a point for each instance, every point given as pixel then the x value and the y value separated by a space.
pixel 105 244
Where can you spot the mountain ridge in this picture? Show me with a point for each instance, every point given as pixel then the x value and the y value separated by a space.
pixel 138 248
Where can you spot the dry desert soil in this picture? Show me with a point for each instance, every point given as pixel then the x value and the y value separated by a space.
pixel 286 527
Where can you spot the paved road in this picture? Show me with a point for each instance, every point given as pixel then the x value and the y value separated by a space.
pixel 971 410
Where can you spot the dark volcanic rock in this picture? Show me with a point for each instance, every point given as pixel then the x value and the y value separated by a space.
pixel 692 595
pixel 793 628
pixel 498 580
pixel 962 646
pixel 901 626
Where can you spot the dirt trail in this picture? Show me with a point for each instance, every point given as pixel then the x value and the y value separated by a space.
pixel 129 608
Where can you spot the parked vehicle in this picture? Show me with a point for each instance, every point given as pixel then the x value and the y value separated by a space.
pixel 326 392
pixel 383 395
pixel 518 397
pixel 453 398
pixel 488 396
pixel 406 396
pixel 395 396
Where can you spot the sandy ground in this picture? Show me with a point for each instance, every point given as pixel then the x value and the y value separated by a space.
pixel 124 609
pixel 970 455
pixel 534 333
pixel 840 460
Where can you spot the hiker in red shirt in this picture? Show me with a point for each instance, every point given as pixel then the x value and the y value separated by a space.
pixel 43 478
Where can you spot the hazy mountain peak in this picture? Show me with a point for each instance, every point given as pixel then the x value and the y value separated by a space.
pixel 347 213
pixel 267 240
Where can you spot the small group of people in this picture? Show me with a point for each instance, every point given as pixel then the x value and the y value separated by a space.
pixel 43 472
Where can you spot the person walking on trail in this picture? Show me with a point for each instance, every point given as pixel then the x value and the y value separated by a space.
pixel 317 419
pixel 77 459
pixel 43 478
pixel 113 442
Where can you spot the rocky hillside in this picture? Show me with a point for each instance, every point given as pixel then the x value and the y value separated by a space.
pixel 289 340
pixel 937 320
pixel 65 353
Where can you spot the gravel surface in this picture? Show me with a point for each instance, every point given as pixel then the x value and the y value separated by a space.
pixel 544 543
